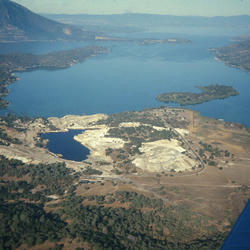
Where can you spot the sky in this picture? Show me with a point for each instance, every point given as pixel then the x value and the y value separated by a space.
pixel 169 7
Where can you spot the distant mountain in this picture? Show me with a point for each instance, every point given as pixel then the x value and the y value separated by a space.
pixel 17 23
pixel 154 22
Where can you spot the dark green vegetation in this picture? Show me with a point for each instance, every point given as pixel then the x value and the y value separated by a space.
pixel 92 171
pixel 140 134
pixel 209 93
pixel 24 189
pixel 19 24
pixel 210 154
pixel 26 62
pixel 27 223
pixel 51 179
pixel 5 78
pixel 135 136
pixel 29 215
pixel 10 126
pixel 133 228
pixel 51 61
pixel 155 117
pixel 10 122
pixel 6 140
pixel 236 55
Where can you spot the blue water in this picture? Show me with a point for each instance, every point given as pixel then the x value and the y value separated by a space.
pixel 129 77
pixel 64 144
pixel 38 47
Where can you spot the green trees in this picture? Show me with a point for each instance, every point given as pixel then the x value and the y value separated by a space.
pixel 52 179
pixel 208 93
pixel 27 223
pixel 120 220
pixel 92 171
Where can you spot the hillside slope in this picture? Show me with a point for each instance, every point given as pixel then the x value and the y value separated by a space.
pixel 17 23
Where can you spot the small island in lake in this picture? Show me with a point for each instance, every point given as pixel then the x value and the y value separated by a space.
pixel 210 92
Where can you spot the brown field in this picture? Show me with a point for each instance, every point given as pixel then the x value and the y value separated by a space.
pixel 218 192
pixel 213 192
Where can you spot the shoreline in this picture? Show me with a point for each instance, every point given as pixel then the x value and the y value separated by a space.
pixel 10 64
pixel 105 144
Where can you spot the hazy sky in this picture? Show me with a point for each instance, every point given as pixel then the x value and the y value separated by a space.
pixel 171 7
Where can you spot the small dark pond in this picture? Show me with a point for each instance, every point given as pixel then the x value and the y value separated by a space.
pixel 63 143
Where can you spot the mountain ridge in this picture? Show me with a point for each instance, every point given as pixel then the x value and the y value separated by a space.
pixel 132 22
pixel 239 19
pixel 18 23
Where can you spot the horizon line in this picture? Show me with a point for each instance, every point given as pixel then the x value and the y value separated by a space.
pixel 134 13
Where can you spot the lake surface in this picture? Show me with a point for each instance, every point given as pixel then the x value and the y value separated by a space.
pixel 63 143
pixel 129 77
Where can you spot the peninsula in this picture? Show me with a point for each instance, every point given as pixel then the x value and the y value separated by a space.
pixel 236 55
pixel 210 92
pixel 11 63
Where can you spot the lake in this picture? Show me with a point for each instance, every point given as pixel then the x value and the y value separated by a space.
pixel 64 144
pixel 129 77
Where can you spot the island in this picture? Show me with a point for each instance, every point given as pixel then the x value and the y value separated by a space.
pixel 11 63
pixel 210 92
pixel 163 41
pixel 143 41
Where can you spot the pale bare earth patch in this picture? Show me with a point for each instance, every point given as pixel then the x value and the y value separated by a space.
pixel 157 156
pixel 76 121
pixel 163 155
pixel 130 124
pixel 182 131
pixel 96 141
pixel 28 152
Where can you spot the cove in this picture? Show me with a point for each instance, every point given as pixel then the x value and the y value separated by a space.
pixel 63 143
